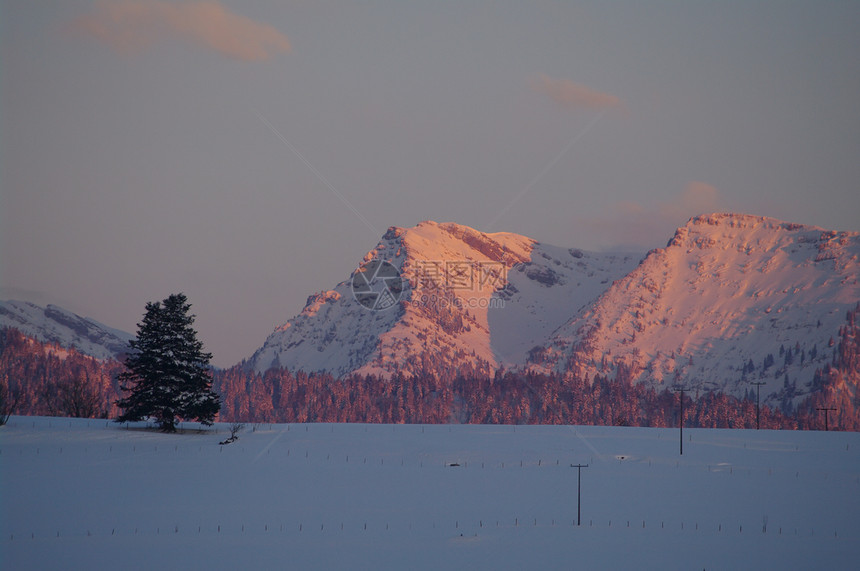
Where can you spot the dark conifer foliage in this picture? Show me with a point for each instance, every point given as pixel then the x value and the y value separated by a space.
pixel 168 371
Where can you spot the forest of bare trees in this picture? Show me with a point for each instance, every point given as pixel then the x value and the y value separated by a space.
pixel 43 379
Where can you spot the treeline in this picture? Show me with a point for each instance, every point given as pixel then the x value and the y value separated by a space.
pixel 43 379
pixel 505 398
pixel 47 380
pixel 836 386
pixel 279 395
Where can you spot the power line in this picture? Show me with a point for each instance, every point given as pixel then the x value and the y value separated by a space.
pixel 826 409
pixel 318 174
pixel 757 396
pixel 681 420
pixel 579 468
pixel 546 169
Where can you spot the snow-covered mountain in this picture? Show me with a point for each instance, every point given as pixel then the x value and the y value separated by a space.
pixel 467 300
pixel 732 299
pixel 54 324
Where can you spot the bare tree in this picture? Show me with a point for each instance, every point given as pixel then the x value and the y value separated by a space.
pixel 79 398
pixel 8 402
pixel 50 396
pixel 235 428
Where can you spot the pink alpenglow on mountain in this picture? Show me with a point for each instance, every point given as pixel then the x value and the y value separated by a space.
pixel 731 299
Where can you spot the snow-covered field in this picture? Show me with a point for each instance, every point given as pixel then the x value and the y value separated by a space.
pixel 89 494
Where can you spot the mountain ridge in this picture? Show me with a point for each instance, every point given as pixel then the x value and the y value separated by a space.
pixel 53 324
pixel 708 309
pixel 459 285
pixel 732 298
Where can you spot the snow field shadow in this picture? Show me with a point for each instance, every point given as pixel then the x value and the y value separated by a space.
pixel 83 492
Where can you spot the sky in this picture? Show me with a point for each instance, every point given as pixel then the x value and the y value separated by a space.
pixel 250 153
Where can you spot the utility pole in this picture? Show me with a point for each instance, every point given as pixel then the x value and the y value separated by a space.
pixel 826 409
pixel 757 397
pixel 681 421
pixel 579 468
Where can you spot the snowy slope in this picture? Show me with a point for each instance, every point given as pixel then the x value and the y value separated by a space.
pixel 469 299
pixel 707 310
pixel 544 292
pixel 54 324
pixel 89 494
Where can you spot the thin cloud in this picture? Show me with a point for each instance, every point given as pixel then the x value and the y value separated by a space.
pixel 697 198
pixel 132 25
pixel 633 226
pixel 575 96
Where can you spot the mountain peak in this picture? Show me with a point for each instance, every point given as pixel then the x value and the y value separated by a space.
pixel 457 284
pixel 727 290
pixel 429 239
pixel 749 222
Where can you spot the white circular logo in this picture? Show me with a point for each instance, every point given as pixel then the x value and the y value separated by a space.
pixel 377 285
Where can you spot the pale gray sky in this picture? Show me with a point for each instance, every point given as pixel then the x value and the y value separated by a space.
pixel 150 147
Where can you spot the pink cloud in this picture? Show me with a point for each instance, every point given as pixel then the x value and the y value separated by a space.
pixel 630 225
pixel 131 25
pixel 697 198
pixel 575 96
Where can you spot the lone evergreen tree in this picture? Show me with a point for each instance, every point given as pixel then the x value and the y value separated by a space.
pixel 167 369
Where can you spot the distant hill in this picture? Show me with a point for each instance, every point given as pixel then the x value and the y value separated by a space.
pixel 56 325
